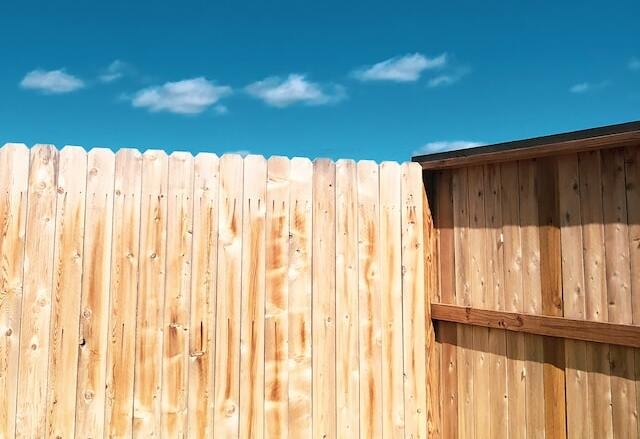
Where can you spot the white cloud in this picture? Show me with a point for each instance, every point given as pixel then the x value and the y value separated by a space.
pixel 442 80
pixel 279 92
pixel 584 87
pixel 190 96
pixel 221 109
pixel 406 68
pixel 51 82
pixel 634 63
pixel 114 71
pixel 446 145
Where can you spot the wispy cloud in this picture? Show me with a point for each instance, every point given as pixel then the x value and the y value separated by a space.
pixel 221 109
pixel 190 96
pixel 634 63
pixel 114 71
pixel 406 68
pixel 51 81
pixel 585 87
pixel 282 92
pixel 446 145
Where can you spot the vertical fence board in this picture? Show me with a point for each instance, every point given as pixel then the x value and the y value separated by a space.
pixel 478 280
pixel 151 295
pixel 277 299
pixel 175 357
pixel 96 279
pixel 573 288
pixel 370 300
pixel 413 302
pixel 595 291
pixel 123 294
pixel 497 349
pixel 514 297
pixel 67 289
pixel 253 299
pixel 323 329
pixel 618 278
pixel 14 173
pixel 227 360
pixel 203 295
pixel 391 284
pixel 462 268
pixel 347 311
pixel 300 298
pixel 37 293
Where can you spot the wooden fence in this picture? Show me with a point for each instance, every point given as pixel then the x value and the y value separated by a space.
pixel 177 296
pixel 551 246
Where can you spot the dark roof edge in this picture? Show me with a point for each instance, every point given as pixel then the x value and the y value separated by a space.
pixel 527 148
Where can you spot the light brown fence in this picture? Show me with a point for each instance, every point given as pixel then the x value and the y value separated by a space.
pixel 152 295
pixel 554 236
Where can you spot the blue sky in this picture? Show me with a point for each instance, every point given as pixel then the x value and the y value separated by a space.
pixel 378 80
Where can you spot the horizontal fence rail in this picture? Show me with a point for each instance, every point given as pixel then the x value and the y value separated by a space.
pixel 178 296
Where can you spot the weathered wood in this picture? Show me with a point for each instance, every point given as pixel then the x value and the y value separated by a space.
pixel 413 306
pixel 391 285
pixel 67 289
pixel 370 318
pixel 252 306
pixel 347 314
pixel 276 322
pixel 203 295
pixel 513 297
pixel 39 267
pixel 14 174
pixel 96 280
pixel 227 356
pixel 175 357
pixel 595 292
pixel 151 295
pixel 300 298
pixel 323 324
pixel 123 294
pixel 599 332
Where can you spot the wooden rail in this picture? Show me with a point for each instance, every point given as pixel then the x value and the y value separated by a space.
pixel 600 332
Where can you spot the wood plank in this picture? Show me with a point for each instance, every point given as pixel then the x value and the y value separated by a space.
pixel 252 308
pixel 151 295
pixel 67 290
pixel 391 284
pixel 626 134
pixel 323 329
pixel 96 280
pixel 551 284
pixel 415 397
pixel 276 355
pixel 300 301
pixel 534 324
pixel 14 175
pixel 175 357
pixel 123 294
pixel 347 314
pixel 529 234
pixel 632 179
pixel 595 292
pixel 370 318
pixel 460 187
pixel 573 290
pixel 227 357
pixel 478 280
pixel 203 295
pixel 37 292
pixel 618 289
pixel 513 297
pixel 497 348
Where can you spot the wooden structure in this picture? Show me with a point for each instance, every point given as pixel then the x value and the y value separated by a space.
pixel 146 295
pixel 538 298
